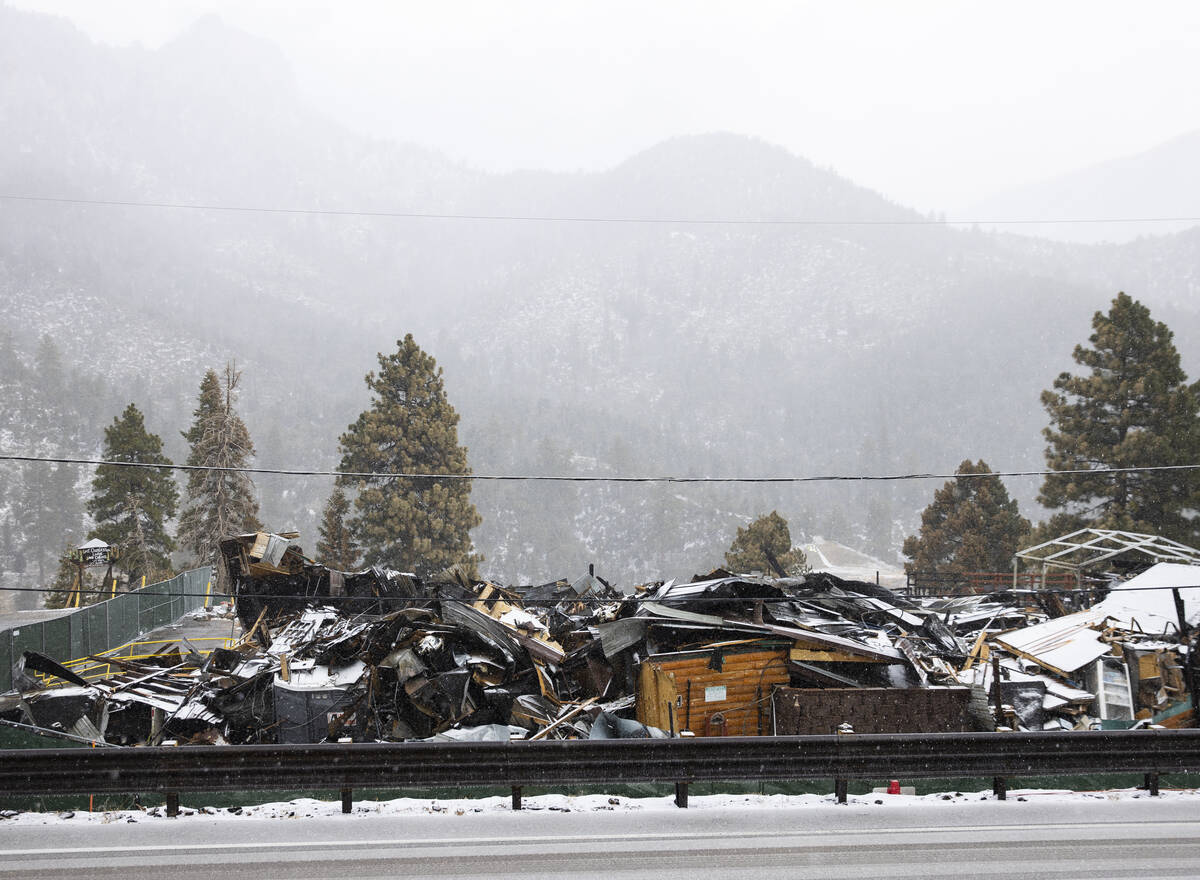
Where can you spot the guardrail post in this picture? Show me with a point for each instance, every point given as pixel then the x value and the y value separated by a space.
pixel 347 800
pixel 516 797
pixel 172 804
pixel 840 785
pixel 1152 784
pixel 1000 788
pixel 681 795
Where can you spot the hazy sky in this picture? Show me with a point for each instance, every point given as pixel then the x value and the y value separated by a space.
pixel 931 103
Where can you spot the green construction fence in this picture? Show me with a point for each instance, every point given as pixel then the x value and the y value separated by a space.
pixel 105 625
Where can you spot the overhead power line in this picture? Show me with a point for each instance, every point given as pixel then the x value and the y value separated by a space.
pixel 637 599
pixel 543 478
pixel 543 218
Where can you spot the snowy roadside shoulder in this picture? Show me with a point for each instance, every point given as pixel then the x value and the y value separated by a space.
pixel 309 808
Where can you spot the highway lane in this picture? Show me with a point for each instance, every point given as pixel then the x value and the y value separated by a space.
pixel 985 840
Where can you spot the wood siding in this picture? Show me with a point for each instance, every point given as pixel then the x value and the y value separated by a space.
pixel 684 692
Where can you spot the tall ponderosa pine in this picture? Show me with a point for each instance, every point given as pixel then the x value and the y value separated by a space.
pixel 417 525
pixel 218 502
pixel 336 547
pixel 971 525
pixel 131 505
pixel 49 511
pixel 767 538
pixel 1133 409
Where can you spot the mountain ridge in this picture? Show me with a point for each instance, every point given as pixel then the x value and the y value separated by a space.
pixel 581 347
pixel 1161 182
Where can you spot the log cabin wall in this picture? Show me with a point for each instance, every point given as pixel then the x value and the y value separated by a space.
pixel 714 692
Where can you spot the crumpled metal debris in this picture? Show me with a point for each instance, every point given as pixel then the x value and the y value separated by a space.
pixel 379 655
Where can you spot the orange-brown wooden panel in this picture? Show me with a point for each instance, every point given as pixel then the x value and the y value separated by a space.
pixel 732 701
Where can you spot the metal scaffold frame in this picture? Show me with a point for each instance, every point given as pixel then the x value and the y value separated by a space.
pixel 1088 548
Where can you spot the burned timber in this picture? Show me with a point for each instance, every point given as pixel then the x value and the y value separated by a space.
pixel 382 656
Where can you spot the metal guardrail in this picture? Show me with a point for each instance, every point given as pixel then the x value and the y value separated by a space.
pixel 171 770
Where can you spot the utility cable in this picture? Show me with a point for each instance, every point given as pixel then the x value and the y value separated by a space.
pixel 537 218
pixel 534 478
pixel 592 600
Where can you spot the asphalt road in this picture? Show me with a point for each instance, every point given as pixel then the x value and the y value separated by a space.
pixel 1012 841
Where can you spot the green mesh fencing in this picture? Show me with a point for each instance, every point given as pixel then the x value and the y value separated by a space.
pixel 95 627
pixel 105 625
pixel 6 660
pixel 122 620
pixel 56 637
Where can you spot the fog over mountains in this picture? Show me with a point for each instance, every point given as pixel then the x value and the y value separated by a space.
pixel 1163 183
pixel 858 340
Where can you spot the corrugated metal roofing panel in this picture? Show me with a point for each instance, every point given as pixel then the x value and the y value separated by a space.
pixel 1062 645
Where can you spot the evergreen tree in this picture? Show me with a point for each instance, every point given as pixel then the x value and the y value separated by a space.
pixel 767 538
pixel 1133 409
pixel 971 525
pixel 218 503
pixel 131 505
pixel 49 511
pixel 48 368
pixel 1055 527
pixel 336 547
pixel 419 525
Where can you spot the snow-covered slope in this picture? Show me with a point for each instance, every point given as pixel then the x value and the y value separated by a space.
pixel 607 346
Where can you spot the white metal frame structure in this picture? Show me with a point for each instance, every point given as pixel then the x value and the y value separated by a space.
pixel 1087 548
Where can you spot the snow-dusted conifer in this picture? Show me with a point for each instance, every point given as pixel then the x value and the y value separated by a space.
pixel 971 525
pixel 220 499
pixel 131 505
pixel 767 538
pixel 336 547
pixel 1134 409
pixel 421 525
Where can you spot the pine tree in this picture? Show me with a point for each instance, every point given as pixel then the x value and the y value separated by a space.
pixel 1056 526
pixel 971 525
pixel 49 511
pixel 48 368
pixel 419 525
pixel 131 505
pixel 1133 409
pixel 337 548
pixel 767 538
pixel 218 503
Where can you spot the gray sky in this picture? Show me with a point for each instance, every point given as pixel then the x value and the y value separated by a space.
pixel 932 103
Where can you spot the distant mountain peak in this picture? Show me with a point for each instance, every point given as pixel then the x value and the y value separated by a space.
pixel 1161 182
pixel 733 175
pixel 229 59
pixel 718 150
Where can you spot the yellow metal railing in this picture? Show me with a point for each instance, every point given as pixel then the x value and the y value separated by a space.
pixel 91 669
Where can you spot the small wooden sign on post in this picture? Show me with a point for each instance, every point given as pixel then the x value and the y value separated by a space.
pixel 94 552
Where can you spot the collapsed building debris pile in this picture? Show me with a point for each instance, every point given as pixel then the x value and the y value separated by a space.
pixel 383 656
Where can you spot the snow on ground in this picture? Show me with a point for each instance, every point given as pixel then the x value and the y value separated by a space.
pixel 307 808
pixel 849 564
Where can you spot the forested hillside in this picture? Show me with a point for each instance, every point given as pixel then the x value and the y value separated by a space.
pixel 638 338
